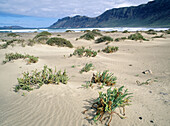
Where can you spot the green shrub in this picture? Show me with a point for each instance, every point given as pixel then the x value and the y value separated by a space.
pixel 3 46
pixel 110 49
pixel 44 33
pixel 90 35
pixel 104 39
pixel 86 31
pixel 34 80
pixel 159 36
pixel 111 31
pixel 69 31
pixel 84 52
pixel 125 31
pixel 119 39
pixel 108 102
pixel 136 36
pixel 95 30
pixel 12 34
pixel 105 78
pixel 151 31
pixel 14 56
pixel 60 42
pixel 87 67
pixel 167 31
pixel 42 39
pixel 31 42
pixel 87 85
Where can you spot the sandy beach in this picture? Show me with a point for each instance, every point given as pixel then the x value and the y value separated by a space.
pixel 62 105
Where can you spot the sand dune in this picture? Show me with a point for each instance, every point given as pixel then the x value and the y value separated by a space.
pixel 62 105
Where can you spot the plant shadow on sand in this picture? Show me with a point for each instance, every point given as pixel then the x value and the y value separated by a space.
pixel 89 112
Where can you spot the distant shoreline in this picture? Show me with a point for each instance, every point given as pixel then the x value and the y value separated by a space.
pixel 31 30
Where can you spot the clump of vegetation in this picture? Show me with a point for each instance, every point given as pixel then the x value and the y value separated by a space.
pixel 31 42
pixel 44 33
pixel 60 42
pixel 87 85
pixel 12 34
pixel 110 49
pixel 104 39
pixel 4 46
pixel 159 36
pixel 95 30
pixel 37 79
pixel 14 56
pixel 69 31
pixel 137 36
pixel 125 31
pixel 147 82
pixel 84 52
pixel 119 39
pixel 90 35
pixel 87 67
pixel 151 31
pixel 111 31
pixel 105 78
pixel 167 31
pixel 108 102
pixel 42 37
pixel 86 31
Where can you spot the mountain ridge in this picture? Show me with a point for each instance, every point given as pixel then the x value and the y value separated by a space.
pixel 153 14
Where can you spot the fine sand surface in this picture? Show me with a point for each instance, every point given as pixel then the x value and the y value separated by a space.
pixel 62 105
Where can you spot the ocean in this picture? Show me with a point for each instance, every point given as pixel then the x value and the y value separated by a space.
pixel 79 29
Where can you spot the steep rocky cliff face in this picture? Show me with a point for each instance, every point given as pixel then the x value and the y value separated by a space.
pixel 153 14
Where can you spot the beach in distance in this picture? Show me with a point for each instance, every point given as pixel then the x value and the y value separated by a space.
pixel 139 61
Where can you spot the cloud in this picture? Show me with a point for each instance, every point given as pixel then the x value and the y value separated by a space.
pixel 62 8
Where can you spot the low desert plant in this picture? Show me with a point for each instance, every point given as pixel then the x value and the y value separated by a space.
pixel 44 33
pixel 151 31
pixel 159 36
pixel 31 42
pixel 12 34
pixel 34 80
pixel 87 67
pixel 108 102
pixel 14 56
pixel 147 82
pixel 105 78
pixel 104 39
pixel 69 31
pixel 84 52
pixel 125 31
pixel 90 35
pixel 87 85
pixel 167 31
pixel 86 31
pixel 61 42
pixel 95 30
pixel 119 39
pixel 136 36
pixel 111 31
pixel 110 49
pixel 3 46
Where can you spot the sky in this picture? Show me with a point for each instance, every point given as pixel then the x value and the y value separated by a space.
pixel 43 13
